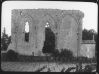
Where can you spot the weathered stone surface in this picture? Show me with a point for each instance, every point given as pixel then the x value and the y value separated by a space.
pixel 88 50
pixel 65 24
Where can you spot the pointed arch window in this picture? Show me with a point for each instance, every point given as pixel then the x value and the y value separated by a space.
pixel 49 43
pixel 27 31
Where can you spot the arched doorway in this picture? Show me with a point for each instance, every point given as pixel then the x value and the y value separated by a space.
pixel 49 43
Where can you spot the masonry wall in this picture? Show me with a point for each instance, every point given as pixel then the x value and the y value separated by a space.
pixel 66 25
pixel 88 48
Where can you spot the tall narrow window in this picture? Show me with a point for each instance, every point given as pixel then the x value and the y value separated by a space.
pixel 27 32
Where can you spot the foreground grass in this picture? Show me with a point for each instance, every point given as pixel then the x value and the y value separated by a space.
pixel 44 67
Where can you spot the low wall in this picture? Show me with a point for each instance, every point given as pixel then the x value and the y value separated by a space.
pixel 88 50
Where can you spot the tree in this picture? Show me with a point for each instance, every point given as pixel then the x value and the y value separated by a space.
pixel 86 35
pixel 94 34
pixel 5 40
pixel 89 34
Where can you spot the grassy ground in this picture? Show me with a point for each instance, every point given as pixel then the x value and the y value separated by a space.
pixel 15 62
pixel 39 67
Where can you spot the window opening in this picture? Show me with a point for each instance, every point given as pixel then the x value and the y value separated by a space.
pixel 49 43
pixel 27 32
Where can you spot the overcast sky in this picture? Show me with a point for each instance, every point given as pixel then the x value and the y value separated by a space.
pixel 89 9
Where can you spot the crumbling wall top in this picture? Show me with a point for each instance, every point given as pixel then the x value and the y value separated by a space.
pixel 56 11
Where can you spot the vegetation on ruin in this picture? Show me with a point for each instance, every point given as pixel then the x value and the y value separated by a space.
pixel 64 56
pixel 88 34
pixel 5 40
pixel 49 44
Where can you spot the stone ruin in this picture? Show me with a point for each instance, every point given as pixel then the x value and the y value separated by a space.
pixel 66 25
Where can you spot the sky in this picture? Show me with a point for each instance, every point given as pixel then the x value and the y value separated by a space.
pixel 89 9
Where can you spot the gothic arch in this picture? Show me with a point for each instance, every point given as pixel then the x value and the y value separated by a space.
pixel 50 20
pixel 68 34
pixel 23 23
pixel 41 30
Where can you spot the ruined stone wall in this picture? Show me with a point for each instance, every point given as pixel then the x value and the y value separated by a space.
pixel 66 25
pixel 70 33
pixel 88 50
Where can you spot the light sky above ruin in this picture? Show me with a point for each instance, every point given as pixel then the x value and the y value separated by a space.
pixel 89 9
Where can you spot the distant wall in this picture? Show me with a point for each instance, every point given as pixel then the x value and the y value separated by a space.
pixel 88 48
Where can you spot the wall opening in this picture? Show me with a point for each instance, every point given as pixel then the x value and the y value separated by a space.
pixel 49 43
pixel 27 32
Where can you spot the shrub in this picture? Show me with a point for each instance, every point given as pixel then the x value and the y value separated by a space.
pixel 63 56
pixel 11 56
pixel 66 54
pixel 55 53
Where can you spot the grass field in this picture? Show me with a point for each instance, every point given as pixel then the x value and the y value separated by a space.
pixel 38 67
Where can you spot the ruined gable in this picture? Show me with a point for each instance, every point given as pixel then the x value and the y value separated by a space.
pixel 65 24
